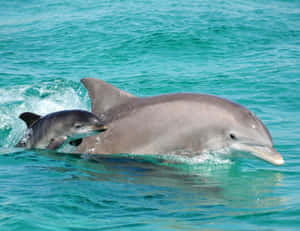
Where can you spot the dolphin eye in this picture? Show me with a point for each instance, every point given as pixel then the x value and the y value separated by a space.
pixel 232 136
pixel 77 125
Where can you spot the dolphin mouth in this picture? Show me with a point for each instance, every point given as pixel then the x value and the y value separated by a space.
pixel 99 128
pixel 268 154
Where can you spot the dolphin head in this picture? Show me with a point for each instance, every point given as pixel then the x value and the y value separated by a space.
pixel 228 125
pixel 82 124
pixel 75 125
pixel 247 133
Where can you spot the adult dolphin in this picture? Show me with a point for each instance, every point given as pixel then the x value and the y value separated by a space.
pixel 173 123
pixel 58 128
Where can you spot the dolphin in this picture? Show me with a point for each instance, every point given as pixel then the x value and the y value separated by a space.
pixel 180 123
pixel 55 129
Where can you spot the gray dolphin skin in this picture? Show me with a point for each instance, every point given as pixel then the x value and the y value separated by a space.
pixel 174 124
pixel 55 129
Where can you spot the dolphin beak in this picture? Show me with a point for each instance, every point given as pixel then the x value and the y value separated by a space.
pixel 268 154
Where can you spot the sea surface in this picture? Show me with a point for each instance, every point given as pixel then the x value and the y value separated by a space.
pixel 246 51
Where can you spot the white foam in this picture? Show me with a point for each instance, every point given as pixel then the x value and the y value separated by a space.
pixel 206 163
pixel 214 157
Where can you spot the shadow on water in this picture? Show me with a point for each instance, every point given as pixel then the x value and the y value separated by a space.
pixel 147 188
pixel 228 185
pixel 132 169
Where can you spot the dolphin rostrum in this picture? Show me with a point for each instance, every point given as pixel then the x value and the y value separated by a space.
pixel 55 129
pixel 181 123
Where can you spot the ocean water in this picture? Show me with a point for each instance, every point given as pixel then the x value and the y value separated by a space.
pixel 246 51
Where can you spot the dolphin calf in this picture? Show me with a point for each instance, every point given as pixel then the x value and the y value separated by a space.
pixel 183 123
pixel 55 129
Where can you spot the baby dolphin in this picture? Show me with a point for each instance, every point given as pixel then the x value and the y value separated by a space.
pixel 181 123
pixel 55 129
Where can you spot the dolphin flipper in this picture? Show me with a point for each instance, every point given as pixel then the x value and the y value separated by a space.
pixel 104 96
pixel 76 142
pixel 56 142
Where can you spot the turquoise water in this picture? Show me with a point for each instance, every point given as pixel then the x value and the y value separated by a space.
pixel 246 51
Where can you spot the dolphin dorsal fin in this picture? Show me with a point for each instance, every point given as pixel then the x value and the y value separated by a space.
pixel 104 96
pixel 29 118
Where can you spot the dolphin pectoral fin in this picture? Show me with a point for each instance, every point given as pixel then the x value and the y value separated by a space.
pixel 76 142
pixel 103 95
pixel 56 142
pixel 29 118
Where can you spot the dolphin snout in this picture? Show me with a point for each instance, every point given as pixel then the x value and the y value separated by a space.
pixel 268 154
